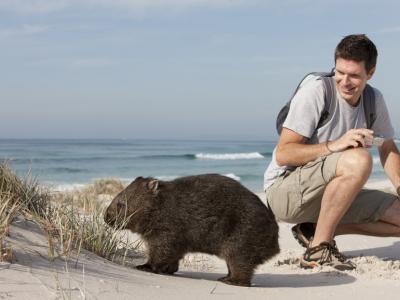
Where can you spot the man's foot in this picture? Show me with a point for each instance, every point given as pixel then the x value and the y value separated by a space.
pixel 303 233
pixel 325 254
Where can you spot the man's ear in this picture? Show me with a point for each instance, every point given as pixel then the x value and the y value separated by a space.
pixel 371 73
pixel 153 185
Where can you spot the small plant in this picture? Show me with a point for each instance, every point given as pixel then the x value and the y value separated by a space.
pixel 26 193
pixel 8 211
pixel 71 221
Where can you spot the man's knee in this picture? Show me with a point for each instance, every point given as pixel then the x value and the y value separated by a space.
pixel 355 162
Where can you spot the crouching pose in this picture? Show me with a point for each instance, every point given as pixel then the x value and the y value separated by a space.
pixel 320 164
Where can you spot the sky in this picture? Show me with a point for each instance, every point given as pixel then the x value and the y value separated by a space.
pixel 175 69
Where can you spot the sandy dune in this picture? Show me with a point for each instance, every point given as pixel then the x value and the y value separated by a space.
pixel 35 276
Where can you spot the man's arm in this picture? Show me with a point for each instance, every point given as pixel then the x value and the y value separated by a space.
pixel 390 159
pixel 292 150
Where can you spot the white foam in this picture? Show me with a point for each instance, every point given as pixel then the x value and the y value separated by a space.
pixel 376 160
pixel 228 156
pixel 379 184
pixel 233 176
pixel 65 187
pixel 166 177
pixel 169 178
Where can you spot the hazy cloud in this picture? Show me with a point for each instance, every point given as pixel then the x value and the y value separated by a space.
pixel 389 30
pixel 91 63
pixel 47 6
pixel 26 29
pixel 32 6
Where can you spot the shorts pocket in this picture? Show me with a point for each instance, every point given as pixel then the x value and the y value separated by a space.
pixel 311 181
pixel 284 197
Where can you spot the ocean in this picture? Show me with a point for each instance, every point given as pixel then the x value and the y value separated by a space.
pixel 64 164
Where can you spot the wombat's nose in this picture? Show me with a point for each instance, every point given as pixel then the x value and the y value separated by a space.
pixel 108 218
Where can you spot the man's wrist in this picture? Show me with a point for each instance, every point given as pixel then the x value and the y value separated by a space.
pixel 327 145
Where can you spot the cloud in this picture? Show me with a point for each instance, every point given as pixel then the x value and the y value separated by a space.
pixel 32 6
pixel 91 63
pixel 48 6
pixel 26 29
pixel 389 30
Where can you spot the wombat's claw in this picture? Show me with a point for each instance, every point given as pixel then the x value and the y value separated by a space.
pixel 145 267
pixel 229 280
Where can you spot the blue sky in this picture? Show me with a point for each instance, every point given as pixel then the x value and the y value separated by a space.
pixel 186 69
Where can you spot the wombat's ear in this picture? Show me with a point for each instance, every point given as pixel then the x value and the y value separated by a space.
pixel 153 185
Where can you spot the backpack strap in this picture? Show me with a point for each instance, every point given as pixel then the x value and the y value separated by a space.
pixel 369 105
pixel 329 100
pixel 329 94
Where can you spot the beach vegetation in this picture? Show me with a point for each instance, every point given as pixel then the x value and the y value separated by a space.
pixel 71 221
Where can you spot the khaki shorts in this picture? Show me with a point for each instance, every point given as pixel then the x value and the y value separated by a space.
pixel 295 196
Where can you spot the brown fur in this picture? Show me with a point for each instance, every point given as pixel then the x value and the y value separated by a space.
pixel 206 213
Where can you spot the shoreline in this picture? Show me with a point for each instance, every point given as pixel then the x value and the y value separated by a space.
pixel 373 183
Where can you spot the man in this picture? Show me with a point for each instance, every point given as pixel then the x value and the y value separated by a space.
pixel 316 175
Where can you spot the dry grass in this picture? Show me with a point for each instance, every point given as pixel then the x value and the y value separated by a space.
pixel 9 207
pixel 71 220
pixel 99 193
pixel 26 193
pixel 8 211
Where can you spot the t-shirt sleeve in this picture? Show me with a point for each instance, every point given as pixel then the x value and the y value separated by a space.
pixel 382 125
pixel 306 108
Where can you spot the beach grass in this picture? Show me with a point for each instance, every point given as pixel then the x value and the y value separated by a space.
pixel 72 221
pixel 8 211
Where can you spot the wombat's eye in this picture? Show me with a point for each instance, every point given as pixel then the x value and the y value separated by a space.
pixel 120 205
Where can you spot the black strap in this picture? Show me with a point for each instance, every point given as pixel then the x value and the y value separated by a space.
pixel 329 99
pixel 369 105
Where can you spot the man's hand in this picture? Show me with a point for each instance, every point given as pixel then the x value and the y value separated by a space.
pixel 352 139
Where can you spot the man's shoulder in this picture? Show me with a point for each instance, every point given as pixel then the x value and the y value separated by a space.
pixel 312 90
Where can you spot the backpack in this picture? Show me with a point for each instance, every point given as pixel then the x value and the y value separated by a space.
pixel 329 99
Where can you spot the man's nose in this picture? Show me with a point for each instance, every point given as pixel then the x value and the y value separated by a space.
pixel 346 79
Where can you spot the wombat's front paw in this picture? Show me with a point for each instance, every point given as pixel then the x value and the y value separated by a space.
pixel 229 280
pixel 168 268
pixel 145 267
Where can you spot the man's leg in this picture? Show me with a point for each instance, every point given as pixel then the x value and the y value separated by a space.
pixel 352 171
pixel 388 224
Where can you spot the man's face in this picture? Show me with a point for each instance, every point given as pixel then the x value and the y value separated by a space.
pixel 351 78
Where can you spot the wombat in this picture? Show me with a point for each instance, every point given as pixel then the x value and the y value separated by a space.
pixel 206 213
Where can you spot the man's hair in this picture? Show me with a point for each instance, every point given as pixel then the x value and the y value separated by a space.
pixel 357 47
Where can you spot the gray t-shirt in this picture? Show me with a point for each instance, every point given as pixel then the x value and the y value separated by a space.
pixel 305 112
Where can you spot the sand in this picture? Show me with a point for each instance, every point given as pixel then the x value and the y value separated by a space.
pixel 34 276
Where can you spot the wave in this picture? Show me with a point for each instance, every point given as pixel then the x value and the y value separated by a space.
pixel 233 176
pixel 166 156
pixel 229 156
pixel 63 159
pixel 211 156
pixel 376 160
pixel 98 159
pixel 171 177
pixel 68 170
pixel 65 187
